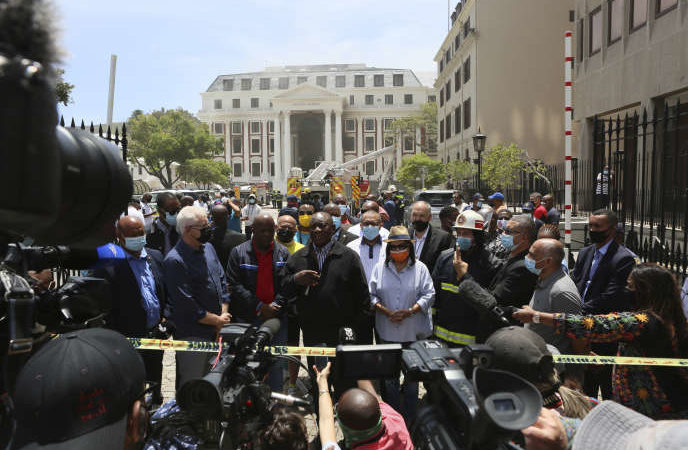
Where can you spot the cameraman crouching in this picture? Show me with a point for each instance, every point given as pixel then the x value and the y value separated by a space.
pixel 365 420
pixel 82 390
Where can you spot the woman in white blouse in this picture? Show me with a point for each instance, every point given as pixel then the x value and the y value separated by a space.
pixel 402 293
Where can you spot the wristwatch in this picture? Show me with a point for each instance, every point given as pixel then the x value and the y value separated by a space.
pixel 536 317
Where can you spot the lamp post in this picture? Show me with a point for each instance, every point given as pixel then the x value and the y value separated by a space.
pixel 479 146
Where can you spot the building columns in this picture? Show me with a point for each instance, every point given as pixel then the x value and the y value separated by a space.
pixel 266 150
pixel 329 154
pixel 287 143
pixel 339 154
pixel 277 179
pixel 246 172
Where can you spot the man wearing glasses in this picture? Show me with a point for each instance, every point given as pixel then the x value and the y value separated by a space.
pixel 197 289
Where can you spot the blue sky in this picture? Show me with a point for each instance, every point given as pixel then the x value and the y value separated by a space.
pixel 170 51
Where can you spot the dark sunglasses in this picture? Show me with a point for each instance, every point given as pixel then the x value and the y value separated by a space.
pixel 398 246
pixel 305 213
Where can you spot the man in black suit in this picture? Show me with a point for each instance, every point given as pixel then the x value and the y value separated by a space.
pixel 163 234
pixel 600 274
pixel 139 298
pixel 430 241
pixel 223 239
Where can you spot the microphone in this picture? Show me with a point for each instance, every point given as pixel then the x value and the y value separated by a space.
pixel 266 332
pixel 289 400
pixel 484 302
pixel 39 258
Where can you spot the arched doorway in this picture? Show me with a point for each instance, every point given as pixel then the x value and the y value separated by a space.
pixel 309 140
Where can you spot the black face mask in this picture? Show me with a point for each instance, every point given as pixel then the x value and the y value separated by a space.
pixel 597 237
pixel 420 225
pixel 206 234
pixel 285 235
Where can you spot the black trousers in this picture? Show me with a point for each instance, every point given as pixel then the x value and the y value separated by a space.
pixel 152 361
pixel 248 231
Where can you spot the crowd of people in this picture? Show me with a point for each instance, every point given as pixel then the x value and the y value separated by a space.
pixel 318 268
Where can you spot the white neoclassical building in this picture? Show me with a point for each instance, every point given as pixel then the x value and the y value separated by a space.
pixel 297 116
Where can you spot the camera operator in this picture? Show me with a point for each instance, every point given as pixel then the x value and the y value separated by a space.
pixel 163 236
pixel 197 287
pixel 82 390
pixel 139 298
pixel 365 420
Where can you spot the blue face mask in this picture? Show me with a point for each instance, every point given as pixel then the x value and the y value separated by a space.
pixel 530 265
pixel 337 222
pixel 507 241
pixel 171 219
pixel 371 232
pixel 464 243
pixel 135 244
pixel 343 209
pixel 305 237
pixel 479 205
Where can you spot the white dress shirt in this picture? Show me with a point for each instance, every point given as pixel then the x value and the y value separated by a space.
pixel 420 242
pixel 401 290
pixel 362 248
pixel 356 230
pixel 250 212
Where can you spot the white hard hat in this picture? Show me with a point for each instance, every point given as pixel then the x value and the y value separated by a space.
pixel 470 220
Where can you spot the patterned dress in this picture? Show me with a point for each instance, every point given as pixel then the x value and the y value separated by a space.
pixel 640 334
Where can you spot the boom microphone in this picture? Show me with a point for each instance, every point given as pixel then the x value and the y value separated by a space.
pixel 266 332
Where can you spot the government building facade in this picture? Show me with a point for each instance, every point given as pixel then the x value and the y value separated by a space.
pixel 297 116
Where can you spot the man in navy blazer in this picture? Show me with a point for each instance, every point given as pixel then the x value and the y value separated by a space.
pixel 139 298
pixel 601 273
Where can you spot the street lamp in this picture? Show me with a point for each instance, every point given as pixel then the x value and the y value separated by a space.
pixel 479 146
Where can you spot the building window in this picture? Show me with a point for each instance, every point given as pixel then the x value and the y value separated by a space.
pixel 466 27
pixel 301 80
pixel 349 125
pixel 387 124
pixel 638 14
pixel 283 83
pixel 370 124
pixel 457 119
pixel 236 169
pixel 349 144
pixel 447 90
pixel 467 114
pixel 441 65
pixel 615 21
pixel 359 81
pixel 245 84
pixel 408 144
pixel 264 84
pixel 217 104
pixel 321 81
pixel 369 143
pixel 457 42
pixel 442 97
pixel 467 70
pixel 272 146
pixel 254 102
pixel 140 169
pixel 219 128
pixel 236 145
pixel 340 81
pixel 432 144
pixel 447 126
pixel 368 99
pixel 370 168
pixel 664 6
pixel 351 99
pixel 442 130
pixel 227 85
pixel 595 30
pixel 255 169
pixel 457 80
pixel 447 56
pixel 236 103
pixel 272 169
pixel 236 127
pixel 388 141
pixel 398 79
pixel 580 36
pixel 255 146
pixel 389 99
pixel 271 126
pixel 378 80
pixel 255 127
pixel 408 99
pixel 432 99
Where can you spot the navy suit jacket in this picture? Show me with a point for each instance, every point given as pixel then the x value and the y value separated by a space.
pixel 127 315
pixel 606 292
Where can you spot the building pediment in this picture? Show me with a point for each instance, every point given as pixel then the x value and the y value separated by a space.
pixel 308 96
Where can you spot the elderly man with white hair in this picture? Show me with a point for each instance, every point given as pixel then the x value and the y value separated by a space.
pixel 197 289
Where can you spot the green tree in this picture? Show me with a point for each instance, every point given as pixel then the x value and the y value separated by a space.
pixel 406 127
pixel 501 165
pixel 410 172
pixel 63 90
pixel 205 172
pixel 161 138
pixel 459 170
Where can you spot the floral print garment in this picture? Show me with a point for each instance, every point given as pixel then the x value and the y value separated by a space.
pixel 640 334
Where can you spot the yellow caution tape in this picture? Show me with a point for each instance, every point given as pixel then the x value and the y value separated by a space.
pixel 214 347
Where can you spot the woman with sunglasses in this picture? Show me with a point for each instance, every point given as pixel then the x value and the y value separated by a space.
pixel 656 328
pixel 402 293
